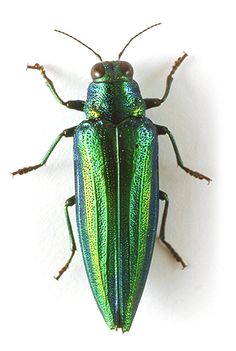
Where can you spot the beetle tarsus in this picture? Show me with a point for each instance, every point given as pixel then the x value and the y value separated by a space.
pixel 66 266
pixel 41 69
pixel 176 256
pixel 26 169
pixel 61 271
pixel 177 63
pixel 38 67
pixel 196 174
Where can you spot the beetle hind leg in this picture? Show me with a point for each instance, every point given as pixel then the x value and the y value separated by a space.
pixel 164 197
pixel 69 202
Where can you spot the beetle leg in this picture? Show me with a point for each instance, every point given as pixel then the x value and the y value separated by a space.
pixel 157 102
pixel 69 202
pixel 161 130
pixel 66 133
pixel 76 105
pixel 164 197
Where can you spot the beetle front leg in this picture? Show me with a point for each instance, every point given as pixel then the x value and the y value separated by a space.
pixel 69 202
pixel 162 130
pixel 75 105
pixel 66 133
pixel 150 102
pixel 164 197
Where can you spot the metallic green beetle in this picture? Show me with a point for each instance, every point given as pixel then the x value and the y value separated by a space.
pixel 116 186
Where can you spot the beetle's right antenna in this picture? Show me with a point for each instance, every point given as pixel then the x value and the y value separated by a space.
pixel 121 53
pixel 79 41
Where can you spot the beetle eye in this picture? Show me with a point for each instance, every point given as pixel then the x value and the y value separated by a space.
pixel 97 70
pixel 126 68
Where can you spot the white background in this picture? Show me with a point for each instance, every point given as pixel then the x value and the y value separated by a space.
pixel 180 310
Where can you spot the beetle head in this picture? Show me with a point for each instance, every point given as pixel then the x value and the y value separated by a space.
pixel 112 71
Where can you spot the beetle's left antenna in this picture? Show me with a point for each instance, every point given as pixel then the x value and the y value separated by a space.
pixel 135 36
pixel 79 41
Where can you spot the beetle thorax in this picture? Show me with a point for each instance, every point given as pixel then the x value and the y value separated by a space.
pixel 114 95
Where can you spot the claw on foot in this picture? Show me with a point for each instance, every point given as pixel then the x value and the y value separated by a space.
pixel 196 174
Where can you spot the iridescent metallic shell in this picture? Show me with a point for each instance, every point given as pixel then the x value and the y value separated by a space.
pixel 117 207
pixel 116 176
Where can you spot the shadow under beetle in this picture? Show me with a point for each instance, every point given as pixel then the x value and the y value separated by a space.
pixel 116 185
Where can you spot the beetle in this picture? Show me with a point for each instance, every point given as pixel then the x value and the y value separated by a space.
pixel 116 185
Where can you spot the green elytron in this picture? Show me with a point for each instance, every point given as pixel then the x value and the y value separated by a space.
pixel 116 187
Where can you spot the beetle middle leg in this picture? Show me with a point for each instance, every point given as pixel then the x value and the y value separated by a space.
pixel 69 202
pixel 162 130
pixel 164 197
pixel 66 133
pixel 72 104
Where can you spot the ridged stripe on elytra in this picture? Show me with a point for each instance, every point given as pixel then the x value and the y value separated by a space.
pixel 91 188
pixel 140 198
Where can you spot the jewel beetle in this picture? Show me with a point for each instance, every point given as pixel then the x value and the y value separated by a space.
pixel 116 184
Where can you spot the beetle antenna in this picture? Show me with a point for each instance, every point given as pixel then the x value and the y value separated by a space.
pixel 79 41
pixel 121 53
